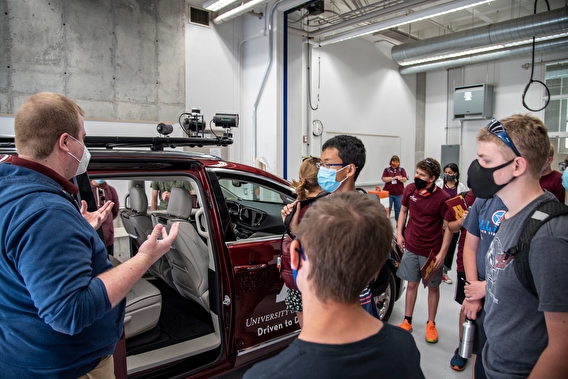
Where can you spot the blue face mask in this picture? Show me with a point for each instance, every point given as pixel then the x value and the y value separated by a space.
pixel 326 179
pixel 99 181
pixel 565 179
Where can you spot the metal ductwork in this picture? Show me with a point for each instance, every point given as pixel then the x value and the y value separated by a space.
pixel 540 24
pixel 513 52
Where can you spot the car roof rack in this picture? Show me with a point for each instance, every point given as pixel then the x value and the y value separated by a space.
pixel 154 143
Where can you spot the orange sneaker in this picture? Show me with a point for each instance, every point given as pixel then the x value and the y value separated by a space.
pixel 431 332
pixel 406 326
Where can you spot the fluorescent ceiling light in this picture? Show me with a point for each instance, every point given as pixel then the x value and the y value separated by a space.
pixel 403 20
pixel 479 50
pixel 235 12
pixel 215 5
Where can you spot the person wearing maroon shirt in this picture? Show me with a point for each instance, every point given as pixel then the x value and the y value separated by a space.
pixel 551 180
pixel 426 232
pixel 394 177
pixel 103 192
pixel 458 363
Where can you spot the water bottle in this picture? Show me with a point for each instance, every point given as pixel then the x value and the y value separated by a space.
pixel 466 344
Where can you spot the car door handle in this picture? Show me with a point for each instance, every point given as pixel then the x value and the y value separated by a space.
pixel 249 268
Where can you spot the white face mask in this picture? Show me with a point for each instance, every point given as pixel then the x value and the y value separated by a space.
pixel 84 161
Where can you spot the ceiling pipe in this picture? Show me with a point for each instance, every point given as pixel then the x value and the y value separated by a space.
pixel 402 20
pixel 537 25
pixel 383 12
pixel 236 12
pixel 510 53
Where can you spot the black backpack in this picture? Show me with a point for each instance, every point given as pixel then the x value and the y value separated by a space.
pixel 544 212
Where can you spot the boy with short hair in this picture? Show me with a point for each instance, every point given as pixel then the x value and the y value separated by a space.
pixel 426 232
pixel 526 334
pixel 331 258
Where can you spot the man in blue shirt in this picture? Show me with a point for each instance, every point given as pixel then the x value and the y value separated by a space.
pixel 61 300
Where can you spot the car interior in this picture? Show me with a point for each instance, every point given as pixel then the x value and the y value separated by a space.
pixel 169 310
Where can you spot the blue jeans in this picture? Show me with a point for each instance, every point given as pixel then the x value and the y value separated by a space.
pixel 394 202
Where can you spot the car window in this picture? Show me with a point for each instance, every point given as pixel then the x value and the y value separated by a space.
pixel 235 190
pixel 254 204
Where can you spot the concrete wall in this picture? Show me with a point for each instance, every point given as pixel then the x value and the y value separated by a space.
pixel 132 63
pixel 119 59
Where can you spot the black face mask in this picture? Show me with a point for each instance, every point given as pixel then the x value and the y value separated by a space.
pixel 449 178
pixel 420 184
pixel 481 179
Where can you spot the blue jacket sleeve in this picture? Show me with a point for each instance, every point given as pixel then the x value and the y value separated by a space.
pixel 59 255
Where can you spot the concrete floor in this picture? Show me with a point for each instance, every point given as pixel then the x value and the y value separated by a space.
pixel 435 358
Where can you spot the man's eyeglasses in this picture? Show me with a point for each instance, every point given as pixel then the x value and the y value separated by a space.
pixel 330 165
pixel 496 128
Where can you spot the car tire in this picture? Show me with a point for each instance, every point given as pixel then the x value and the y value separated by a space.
pixel 385 300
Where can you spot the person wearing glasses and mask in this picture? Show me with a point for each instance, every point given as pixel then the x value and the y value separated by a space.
pixel 426 233
pixel 526 334
pixel 339 339
pixel 62 302
pixel 341 161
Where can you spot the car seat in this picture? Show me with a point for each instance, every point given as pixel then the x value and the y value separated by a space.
pixel 188 256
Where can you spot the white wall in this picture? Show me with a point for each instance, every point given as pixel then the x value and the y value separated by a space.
pixel 361 92
pixel 509 80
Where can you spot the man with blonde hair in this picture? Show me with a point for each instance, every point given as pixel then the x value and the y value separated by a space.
pixel 339 339
pixel 526 332
pixel 61 300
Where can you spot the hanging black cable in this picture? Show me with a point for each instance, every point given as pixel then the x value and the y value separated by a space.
pixel 309 73
pixel 531 80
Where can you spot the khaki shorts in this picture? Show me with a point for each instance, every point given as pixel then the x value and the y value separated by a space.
pixel 104 370
pixel 409 269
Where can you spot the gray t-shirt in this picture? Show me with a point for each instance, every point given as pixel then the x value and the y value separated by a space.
pixel 514 323
pixel 483 221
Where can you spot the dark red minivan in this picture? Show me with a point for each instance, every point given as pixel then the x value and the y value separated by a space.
pixel 215 301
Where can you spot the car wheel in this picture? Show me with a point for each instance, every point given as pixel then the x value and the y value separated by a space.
pixel 385 300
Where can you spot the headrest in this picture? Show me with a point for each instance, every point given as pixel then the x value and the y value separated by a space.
pixel 138 200
pixel 180 202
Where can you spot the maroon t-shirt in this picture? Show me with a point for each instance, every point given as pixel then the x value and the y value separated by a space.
pixel 426 215
pixel 553 183
pixel 469 199
pixel 396 189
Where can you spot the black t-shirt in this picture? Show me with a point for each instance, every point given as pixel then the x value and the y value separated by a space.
pixel 391 353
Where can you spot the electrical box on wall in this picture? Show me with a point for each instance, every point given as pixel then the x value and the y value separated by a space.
pixel 473 102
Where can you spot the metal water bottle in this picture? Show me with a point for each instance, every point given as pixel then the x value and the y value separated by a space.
pixel 466 344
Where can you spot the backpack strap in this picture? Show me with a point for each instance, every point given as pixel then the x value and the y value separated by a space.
pixel 303 203
pixel 544 212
